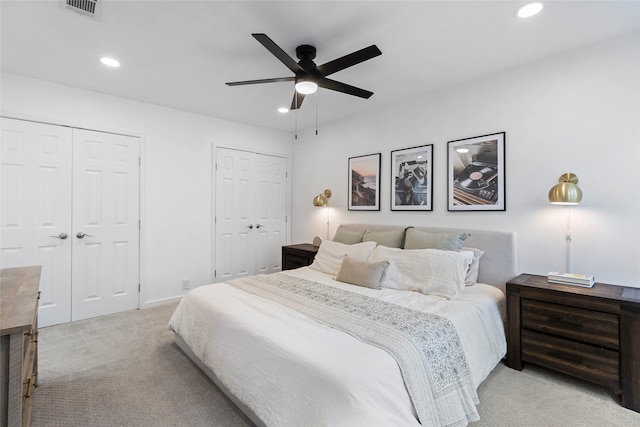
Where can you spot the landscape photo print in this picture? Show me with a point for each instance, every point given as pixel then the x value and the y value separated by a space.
pixel 364 183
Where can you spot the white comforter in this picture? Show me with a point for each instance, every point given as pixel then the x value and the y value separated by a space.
pixel 293 371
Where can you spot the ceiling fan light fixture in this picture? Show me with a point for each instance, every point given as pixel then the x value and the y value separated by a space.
pixel 306 87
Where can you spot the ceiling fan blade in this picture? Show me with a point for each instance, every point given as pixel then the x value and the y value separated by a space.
pixel 278 52
pixel 349 60
pixel 253 82
pixel 296 102
pixel 344 88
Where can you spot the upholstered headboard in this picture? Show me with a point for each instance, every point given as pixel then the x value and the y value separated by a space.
pixel 499 262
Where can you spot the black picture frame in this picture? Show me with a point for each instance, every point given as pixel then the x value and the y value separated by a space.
pixel 412 179
pixel 476 173
pixel 364 182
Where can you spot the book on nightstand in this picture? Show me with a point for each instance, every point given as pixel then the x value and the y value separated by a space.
pixel 571 279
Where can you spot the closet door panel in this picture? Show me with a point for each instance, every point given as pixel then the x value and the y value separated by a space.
pixel 35 216
pixel 271 211
pixel 234 212
pixel 106 223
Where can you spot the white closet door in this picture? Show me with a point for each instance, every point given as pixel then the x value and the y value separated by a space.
pixel 271 211
pixel 35 214
pixel 105 223
pixel 250 219
pixel 234 237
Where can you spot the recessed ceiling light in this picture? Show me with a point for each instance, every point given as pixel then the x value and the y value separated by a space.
pixel 528 10
pixel 462 150
pixel 110 62
pixel 283 110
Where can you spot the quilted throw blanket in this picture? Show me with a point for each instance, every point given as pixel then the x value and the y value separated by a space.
pixel 425 346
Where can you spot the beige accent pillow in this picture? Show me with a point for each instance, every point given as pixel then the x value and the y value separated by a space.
pixel 429 271
pixel 348 237
pixel 390 239
pixel 330 255
pixel 423 240
pixel 361 273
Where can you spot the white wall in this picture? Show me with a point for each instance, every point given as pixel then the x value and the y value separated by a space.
pixel 578 112
pixel 177 157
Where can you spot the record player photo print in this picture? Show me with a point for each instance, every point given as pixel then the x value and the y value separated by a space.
pixel 476 173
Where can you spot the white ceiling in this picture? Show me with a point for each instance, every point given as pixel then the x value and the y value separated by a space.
pixel 180 53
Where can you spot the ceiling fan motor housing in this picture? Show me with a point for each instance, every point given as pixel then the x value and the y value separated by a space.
pixel 306 53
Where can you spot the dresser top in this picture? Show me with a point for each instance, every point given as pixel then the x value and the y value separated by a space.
pixel 599 290
pixel 18 298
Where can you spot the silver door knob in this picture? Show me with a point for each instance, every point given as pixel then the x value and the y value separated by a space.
pixel 80 235
pixel 61 236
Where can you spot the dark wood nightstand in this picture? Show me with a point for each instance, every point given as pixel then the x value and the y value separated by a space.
pixel 296 256
pixel 590 333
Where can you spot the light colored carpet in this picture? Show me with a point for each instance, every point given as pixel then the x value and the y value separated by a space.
pixel 125 370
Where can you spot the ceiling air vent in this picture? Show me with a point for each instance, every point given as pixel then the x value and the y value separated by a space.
pixel 85 7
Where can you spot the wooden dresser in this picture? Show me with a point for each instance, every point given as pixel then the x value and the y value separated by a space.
pixel 296 256
pixel 19 295
pixel 590 333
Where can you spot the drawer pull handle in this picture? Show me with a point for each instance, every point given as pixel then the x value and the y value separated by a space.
pixel 568 357
pixel 561 321
pixel 27 386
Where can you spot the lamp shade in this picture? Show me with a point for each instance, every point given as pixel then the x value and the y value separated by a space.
pixel 321 199
pixel 566 192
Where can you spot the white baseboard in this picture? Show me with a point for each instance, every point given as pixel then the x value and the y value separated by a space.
pixel 158 302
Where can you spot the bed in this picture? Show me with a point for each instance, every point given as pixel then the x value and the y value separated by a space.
pixel 302 348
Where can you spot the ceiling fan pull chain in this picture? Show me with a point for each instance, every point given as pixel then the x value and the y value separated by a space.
pixel 295 94
pixel 317 96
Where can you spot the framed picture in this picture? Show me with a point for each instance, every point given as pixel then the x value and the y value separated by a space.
pixel 364 183
pixel 412 179
pixel 475 173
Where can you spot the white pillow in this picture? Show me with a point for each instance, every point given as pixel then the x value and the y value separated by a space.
pixel 330 255
pixel 429 271
pixel 474 268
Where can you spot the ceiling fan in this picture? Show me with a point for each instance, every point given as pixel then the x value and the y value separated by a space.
pixel 309 76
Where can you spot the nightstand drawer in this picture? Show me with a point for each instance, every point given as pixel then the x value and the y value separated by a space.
pixel 295 261
pixel 591 327
pixel 591 363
